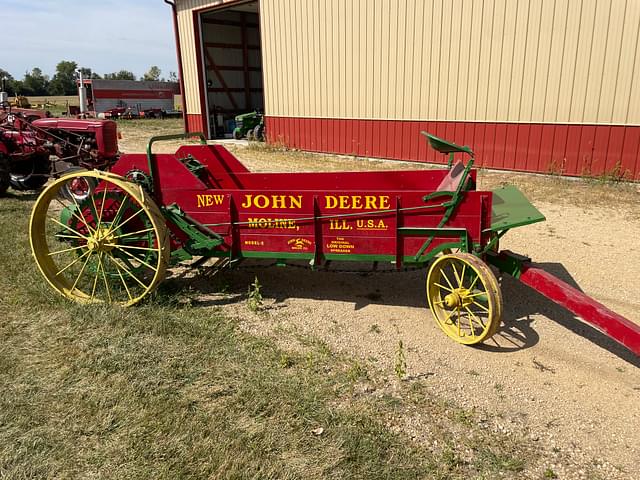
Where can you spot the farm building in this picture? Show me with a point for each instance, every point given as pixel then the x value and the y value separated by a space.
pixel 103 95
pixel 531 85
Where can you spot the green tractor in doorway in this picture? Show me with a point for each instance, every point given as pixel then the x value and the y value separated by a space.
pixel 250 125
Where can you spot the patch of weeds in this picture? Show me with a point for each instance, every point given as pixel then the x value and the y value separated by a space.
pixel 375 328
pixel 499 462
pixel 449 461
pixel 621 369
pixel 286 361
pixel 548 473
pixel 357 372
pixel 473 373
pixel 401 362
pixel 465 417
pixel 254 296
pixel 614 175
pixel 541 367
pixel 499 387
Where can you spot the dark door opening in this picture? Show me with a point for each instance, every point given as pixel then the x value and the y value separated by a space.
pixel 232 65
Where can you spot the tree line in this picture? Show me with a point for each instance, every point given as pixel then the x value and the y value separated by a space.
pixel 63 82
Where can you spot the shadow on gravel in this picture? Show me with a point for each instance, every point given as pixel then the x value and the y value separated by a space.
pixel 521 302
pixel 392 288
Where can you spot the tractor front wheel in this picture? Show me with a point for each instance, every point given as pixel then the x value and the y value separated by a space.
pixel 111 246
pixel 464 298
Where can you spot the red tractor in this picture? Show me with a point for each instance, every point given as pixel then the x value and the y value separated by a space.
pixel 32 150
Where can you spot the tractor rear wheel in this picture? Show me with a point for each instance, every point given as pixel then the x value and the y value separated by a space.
pixel 30 174
pixel 464 298
pixel 111 247
pixel 258 133
pixel 5 177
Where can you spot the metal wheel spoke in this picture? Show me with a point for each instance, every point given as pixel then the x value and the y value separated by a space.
pixel 74 262
pixel 130 273
pixel 448 282
pixel 455 274
pixel 458 315
pixel 150 229
pixel 146 249
pixel 443 287
pixel 449 316
pixel 71 249
pixel 117 216
pixel 104 198
pixel 476 294
pixel 115 227
pixel 136 258
pixel 481 306
pixel 58 235
pixel 84 265
pixel 82 214
pixel 471 314
pixel 73 214
pixel 464 267
pixel 104 277
pixel 121 277
pixel 95 280
pixel 473 284
pixel 68 228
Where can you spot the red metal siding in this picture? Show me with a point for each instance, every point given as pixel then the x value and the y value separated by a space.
pixel 575 150
pixel 195 122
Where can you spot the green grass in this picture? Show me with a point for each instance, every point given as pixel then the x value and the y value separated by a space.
pixel 167 391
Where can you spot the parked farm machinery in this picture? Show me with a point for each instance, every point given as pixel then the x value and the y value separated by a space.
pixel 34 149
pixel 154 210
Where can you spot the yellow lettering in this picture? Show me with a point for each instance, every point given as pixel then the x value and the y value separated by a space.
pixel 384 202
pixel 247 201
pixel 370 202
pixel 357 202
pixel 295 202
pixel 201 200
pixel 261 201
pixel 218 199
pixel 344 202
pixel 331 201
pixel 277 201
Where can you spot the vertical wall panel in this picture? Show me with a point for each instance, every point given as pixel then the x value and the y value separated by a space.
pixel 462 67
pixel 556 61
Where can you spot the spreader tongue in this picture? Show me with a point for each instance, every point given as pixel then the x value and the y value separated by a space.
pixel 590 311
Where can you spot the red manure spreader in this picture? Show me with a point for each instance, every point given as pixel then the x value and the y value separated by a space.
pixel 151 211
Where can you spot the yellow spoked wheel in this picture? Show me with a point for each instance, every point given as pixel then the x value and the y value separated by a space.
pixel 110 245
pixel 464 297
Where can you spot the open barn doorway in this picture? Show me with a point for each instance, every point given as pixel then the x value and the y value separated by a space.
pixel 232 64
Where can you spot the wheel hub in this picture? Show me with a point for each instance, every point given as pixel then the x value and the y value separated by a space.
pixel 102 240
pixel 459 298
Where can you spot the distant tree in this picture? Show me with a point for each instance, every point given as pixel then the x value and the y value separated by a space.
pixel 173 77
pixel 153 74
pixel 35 83
pixel 88 73
pixel 121 75
pixel 10 82
pixel 64 81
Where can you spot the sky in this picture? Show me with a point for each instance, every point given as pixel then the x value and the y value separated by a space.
pixel 104 35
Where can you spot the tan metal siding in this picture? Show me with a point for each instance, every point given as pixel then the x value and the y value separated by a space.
pixel 558 61
pixel 189 48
